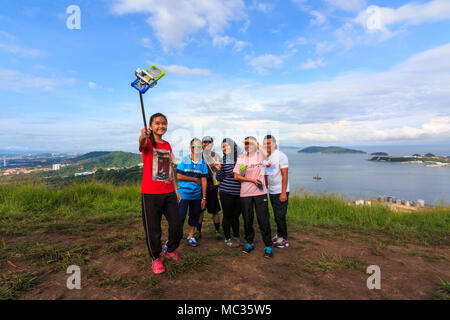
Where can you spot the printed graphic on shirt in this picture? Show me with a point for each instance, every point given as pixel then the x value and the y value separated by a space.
pixel 270 167
pixel 162 170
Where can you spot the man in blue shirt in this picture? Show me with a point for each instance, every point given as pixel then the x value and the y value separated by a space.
pixel 191 174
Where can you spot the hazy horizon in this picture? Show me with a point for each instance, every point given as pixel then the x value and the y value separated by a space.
pixel 440 149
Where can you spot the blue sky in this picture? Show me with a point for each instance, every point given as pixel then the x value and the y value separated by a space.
pixel 326 72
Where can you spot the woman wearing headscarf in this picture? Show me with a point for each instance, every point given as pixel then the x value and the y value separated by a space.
pixel 230 190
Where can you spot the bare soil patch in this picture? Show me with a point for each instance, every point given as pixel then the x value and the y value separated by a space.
pixel 318 264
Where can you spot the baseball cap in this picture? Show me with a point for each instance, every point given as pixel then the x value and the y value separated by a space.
pixel 207 139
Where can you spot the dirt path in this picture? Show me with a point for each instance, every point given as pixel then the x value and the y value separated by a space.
pixel 319 264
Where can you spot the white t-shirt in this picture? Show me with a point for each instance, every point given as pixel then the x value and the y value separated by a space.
pixel 273 165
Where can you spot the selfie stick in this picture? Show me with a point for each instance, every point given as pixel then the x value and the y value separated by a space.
pixel 143 111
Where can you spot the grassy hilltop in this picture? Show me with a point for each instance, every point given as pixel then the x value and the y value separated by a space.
pixel 97 225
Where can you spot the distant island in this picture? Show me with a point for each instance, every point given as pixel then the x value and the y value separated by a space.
pixel 379 154
pixel 329 150
pixel 433 161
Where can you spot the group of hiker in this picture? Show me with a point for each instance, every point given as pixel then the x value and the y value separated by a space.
pixel 234 183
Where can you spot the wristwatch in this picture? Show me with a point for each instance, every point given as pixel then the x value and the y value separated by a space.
pixel 204 199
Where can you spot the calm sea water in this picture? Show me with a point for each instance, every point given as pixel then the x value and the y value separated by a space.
pixel 352 176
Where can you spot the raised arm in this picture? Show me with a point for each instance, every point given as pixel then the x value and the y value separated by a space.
pixel 260 148
pixel 143 138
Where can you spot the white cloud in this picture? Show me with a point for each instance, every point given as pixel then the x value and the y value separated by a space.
pixel 17 81
pixel 265 62
pixel 435 128
pixel 279 29
pixel 319 18
pixel 224 41
pixel 312 64
pixel 7 35
pixel 185 71
pixel 13 48
pixel 245 26
pixel 93 85
pixel 296 42
pixel 377 24
pixel 19 50
pixel 380 18
pixel 173 20
pixel 147 43
pixel 324 47
pixel 406 102
pixel 347 5
pixel 264 7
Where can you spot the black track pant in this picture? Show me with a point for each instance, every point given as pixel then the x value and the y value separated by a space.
pixel 231 210
pixel 153 207
pixel 260 203
pixel 279 211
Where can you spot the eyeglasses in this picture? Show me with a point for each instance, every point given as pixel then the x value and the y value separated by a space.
pixel 196 146
pixel 248 143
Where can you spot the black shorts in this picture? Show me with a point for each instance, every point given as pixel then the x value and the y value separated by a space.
pixel 212 201
pixel 194 211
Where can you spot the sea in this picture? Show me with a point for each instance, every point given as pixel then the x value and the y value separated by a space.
pixel 353 177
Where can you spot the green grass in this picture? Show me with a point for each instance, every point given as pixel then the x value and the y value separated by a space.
pixel 192 262
pixel 117 281
pixel 58 257
pixel 76 201
pixel 443 292
pixel 378 247
pixel 13 286
pixel 151 283
pixel 429 226
pixel 31 205
pixel 422 254
pixel 69 228
pixel 119 246
pixel 333 263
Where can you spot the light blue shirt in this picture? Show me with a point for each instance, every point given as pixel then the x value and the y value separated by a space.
pixel 190 190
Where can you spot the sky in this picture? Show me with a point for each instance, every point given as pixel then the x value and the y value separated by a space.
pixel 324 72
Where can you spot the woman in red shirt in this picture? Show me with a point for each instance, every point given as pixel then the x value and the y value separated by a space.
pixel 159 193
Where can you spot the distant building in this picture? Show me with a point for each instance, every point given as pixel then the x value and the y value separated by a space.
pixel 87 173
pixel 420 203
pixel 56 167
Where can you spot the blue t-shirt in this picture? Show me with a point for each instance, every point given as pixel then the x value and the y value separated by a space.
pixel 190 190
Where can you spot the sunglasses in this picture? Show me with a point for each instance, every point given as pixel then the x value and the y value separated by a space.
pixel 247 143
pixel 196 146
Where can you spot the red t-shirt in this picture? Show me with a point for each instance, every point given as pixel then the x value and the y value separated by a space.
pixel 157 177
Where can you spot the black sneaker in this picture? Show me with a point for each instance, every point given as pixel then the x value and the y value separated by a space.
pixel 197 235
pixel 218 236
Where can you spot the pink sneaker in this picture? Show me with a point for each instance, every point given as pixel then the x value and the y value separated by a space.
pixel 173 255
pixel 157 266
